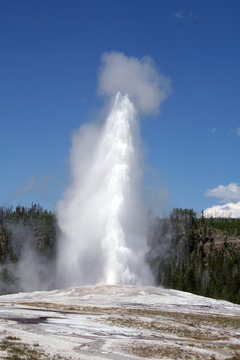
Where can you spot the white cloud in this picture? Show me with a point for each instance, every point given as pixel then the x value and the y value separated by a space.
pixel 138 78
pixel 179 14
pixel 229 210
pixel 192 15
pixel 214 130
pixel 234 131
pixel 184 15
pixel 229 192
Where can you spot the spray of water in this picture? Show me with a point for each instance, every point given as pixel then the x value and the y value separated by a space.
pixel 105 230
pixel 101 216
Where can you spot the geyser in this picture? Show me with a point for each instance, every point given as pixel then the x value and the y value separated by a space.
pixel 101 216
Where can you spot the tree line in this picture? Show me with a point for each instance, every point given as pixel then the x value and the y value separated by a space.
pixel 27 248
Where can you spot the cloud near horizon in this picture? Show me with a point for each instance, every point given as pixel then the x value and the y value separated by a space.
pixel 230 192
pixel 138 78
pixel 229 210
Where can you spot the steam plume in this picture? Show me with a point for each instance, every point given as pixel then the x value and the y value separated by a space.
pixel 32 271
pixel 138 78
pixel 101 216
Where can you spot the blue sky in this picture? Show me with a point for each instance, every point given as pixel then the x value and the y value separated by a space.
pixel 50 56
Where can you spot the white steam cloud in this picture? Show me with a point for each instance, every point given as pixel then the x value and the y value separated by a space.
pixel 138 78
pixel 101 216
pixel 32 271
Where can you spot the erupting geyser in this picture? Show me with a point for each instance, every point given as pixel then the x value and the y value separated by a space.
pixel 101 216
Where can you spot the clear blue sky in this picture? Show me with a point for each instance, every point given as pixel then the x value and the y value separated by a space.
pixel 49 60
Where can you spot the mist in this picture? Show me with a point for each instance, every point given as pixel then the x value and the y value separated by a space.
pixel 26 269
pixel 101 217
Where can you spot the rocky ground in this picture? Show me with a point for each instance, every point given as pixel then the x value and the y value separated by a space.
pixel 117 322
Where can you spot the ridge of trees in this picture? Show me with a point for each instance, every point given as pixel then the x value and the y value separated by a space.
pixel 27 247
pixel 42 224
pixel 199 255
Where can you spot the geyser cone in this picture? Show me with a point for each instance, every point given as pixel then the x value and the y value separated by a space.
pixel 101 216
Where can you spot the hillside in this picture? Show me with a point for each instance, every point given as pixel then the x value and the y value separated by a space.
pixel 199 255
